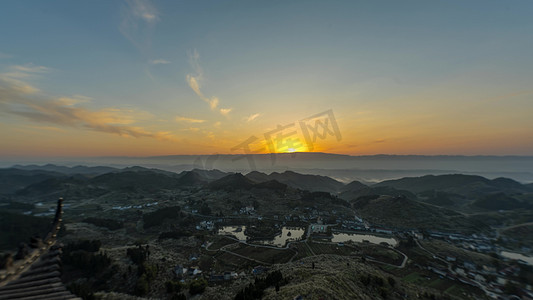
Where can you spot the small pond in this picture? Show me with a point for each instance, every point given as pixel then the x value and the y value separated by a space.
pixel 512 255
pixel 356 237
pixel 287 234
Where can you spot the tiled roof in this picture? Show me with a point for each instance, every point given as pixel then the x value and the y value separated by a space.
pixel 37 276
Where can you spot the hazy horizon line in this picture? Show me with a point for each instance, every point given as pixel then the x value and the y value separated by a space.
pixel 277 153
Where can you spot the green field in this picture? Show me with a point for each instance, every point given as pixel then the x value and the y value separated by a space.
pixel 319 248
pixel 302 249
pixel 249 256
pixel 220 241
pixel 267 255
pixel 414 277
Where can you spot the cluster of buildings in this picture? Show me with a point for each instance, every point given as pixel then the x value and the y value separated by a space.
pixel 185 274
pixel 206 225
pixel 490 279
pixel 247 210
pixel 135 206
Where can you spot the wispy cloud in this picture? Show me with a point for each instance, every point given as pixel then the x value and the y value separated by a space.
pixel 49 128
pixel 143 10
pixel 250 118
pixel 5 55
pixel 16 74
pixel 195 83
pixel 29 69
pixel 138 18
pixel 160 62
pixel 188 120
pixel 24 71
pixel 225 111
pixel 191 129
pixel 73 100
pixel 19 98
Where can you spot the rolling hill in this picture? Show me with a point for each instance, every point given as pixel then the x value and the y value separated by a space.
pixel 238 181
pixel 401 212
pixel 234 181
pixel 68 170
pixel 354 186
pixel 313 183
pixel 134 181
pixel 12 180
pixel 190 178
pixel 209 175
pixel 467 193
pixel 467 185
pixel 368 191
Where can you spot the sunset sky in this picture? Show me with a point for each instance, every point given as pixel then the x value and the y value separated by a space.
pixel 139 78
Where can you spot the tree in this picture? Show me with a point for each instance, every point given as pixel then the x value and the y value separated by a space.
pixel 511 288
pixel 173 287
pixel 137 255
pixel 197 286
pixel 142 287
pixel 391 281
pixel 180 296
pixel 205 210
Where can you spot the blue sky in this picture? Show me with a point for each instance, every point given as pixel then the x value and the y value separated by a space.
pixel 168 77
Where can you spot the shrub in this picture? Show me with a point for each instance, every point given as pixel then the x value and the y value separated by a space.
pixel 142 287
pixel 197 286
pixel 85 245
pixel 391 281
pixel 157 217
pixel 106 223
pixel 173 286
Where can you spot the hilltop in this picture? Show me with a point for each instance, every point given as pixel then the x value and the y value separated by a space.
pixel 467 185
pixel 402 212
pixel 466 192
pixel 13 179
pixel 302 181
pixel 333 277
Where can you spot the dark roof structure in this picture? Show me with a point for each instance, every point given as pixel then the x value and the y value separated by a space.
pixel 36 275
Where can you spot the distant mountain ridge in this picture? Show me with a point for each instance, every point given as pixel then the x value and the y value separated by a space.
pixel 457 183
pixel 468 191
pixel 365 168
pixel 208 175
pixel 454 191
pixel 326 154
pixel 68 170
